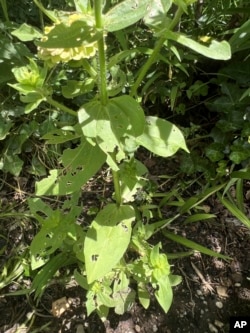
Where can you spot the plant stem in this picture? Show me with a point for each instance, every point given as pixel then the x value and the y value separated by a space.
pixel 101 53
pixel 117 187
pixel 155 52
pixel 60 106
pixel 45 11
pixel 5 10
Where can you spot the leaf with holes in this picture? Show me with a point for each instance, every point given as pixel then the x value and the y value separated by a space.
pixel 69 36
pixel 107 239
pixel 80 164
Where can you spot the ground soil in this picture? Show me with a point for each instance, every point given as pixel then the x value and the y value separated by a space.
pixel 211 292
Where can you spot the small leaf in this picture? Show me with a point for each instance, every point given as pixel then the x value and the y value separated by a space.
pixel 164 294
pixel 81 280
pixel 5 128
pixel 26 33
pixel 174 280
pixel 144 296
pixel 123 300
pixel 156 14
pixel 125 14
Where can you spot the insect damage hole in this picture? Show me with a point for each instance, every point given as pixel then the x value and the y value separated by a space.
pixel 94 257
pixel 124 227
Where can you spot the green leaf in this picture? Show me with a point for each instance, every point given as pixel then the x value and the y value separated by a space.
pixel 75 88
pixel 80 164
pixel 199 217
pixel 156 14
pixel 195 201
pixel 26 33
pixel 144 296
pixel 164 294
pixel 65 36
pixel 125 14
pixel 12 163
pixel 235 211
pixel 121 118
pixel 62 135
pixel 43 277
pixel 174 280
pixel 107 239
pixel 50 238
pixel 161 137
pixel 215 151
pixel 242 174
pixel 81 280
pixel 124 300
pixel 5 126
pixel 215 50
pixel 188 243
pixel 241 39
pixel 82 5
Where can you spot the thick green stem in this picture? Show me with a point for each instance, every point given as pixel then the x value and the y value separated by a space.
pixel 154 54
pixel 101 53
pixel 5 10
pixel 60 106
pixel 117 187
pixel 147 65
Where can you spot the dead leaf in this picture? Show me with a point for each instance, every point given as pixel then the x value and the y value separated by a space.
pixel 222 291
pixel 60 306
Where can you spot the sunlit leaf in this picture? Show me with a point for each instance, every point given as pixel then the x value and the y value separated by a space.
pixel 161 137
pixel 107 239
pixel 215 50
pixel 125 14
pixel 26 33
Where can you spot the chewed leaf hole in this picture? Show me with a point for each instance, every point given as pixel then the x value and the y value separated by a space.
pixel 94 257
pixel 125 228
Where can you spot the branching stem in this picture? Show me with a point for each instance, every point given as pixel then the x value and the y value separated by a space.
pixel 155 52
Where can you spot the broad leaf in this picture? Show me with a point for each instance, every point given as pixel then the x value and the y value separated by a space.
pixel 80 164
pixel 125 14
pixel 107 239
pixel 214 50
pixel 161 137
pixel 120 118
pixel 69 36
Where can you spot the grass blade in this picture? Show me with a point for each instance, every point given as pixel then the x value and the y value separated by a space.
pixel 195 246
